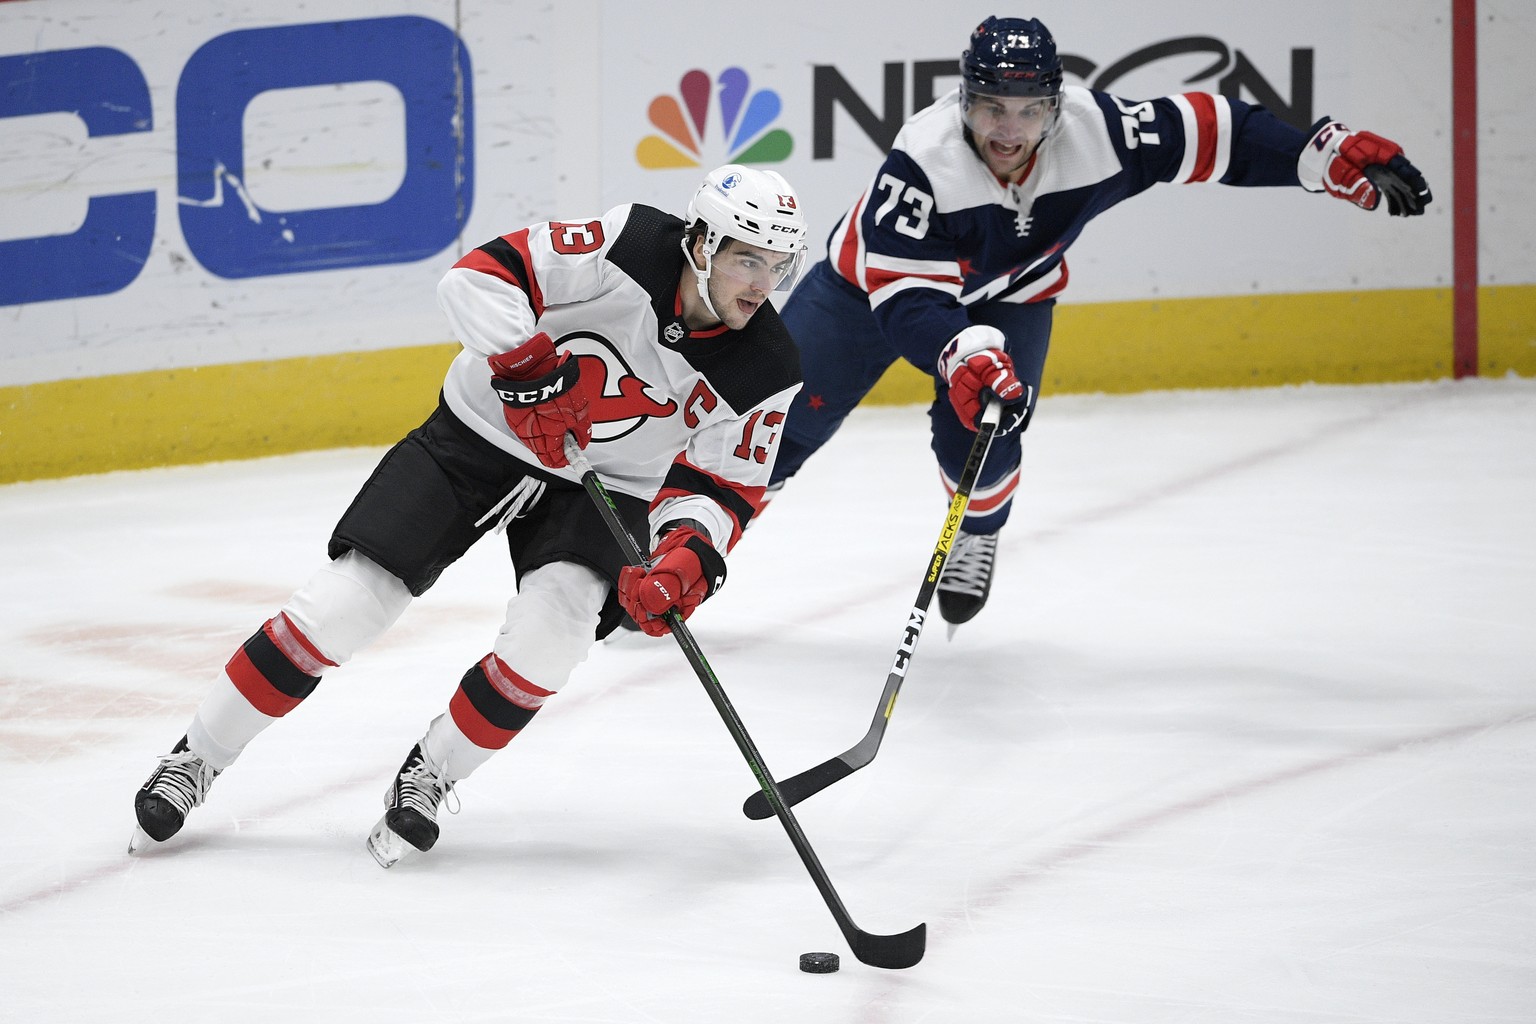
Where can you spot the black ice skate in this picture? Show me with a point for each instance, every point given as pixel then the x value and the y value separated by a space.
pixel 967 577
pixel 410 810
pixel 179 784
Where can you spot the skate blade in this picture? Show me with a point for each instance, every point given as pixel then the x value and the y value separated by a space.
pixel 139 841
pixel 386 847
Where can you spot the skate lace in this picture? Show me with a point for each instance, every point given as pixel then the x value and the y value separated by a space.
pixel 970 564
pixel 422 789
pixel 183 778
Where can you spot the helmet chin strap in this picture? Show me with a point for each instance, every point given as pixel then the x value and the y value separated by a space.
pixel 701 278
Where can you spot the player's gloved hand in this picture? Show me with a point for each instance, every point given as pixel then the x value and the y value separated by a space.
pixel 1361 167
pixel 543 397
pixel 683 571
pixel 976 366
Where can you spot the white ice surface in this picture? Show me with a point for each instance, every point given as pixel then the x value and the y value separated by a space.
pixel 1246 734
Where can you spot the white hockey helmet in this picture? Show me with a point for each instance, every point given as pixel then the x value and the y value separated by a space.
pixel 753 206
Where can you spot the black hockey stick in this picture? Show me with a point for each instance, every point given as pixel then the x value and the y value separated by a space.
pixel 889 951
pixel 814 780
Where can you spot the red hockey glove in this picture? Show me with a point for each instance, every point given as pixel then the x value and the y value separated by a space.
pixel 683 571
pixel 1361 167
pixel 975 366
pixel 543 397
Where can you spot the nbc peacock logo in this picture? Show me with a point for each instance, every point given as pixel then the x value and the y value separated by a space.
pixel 743 118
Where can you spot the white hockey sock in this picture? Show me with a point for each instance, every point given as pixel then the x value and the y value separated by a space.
pixel 452 752
pixel 549 628
pixel 343 607
pixel 224 723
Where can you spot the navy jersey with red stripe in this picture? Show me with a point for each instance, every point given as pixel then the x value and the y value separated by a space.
pixel 936 232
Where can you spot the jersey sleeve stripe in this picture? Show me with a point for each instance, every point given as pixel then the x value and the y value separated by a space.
pixel 940 270
pixel 1223 137
pixel 1199 137
pixel 508 259
pixel 1053 289
pixel 685 480
pixel 1049 285
pixel 847 249
pixel 1191 135
pixel 894 284
pixel 1207 137
pixel 885 276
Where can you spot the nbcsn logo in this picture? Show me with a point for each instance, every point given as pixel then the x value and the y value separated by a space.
pixel 743 121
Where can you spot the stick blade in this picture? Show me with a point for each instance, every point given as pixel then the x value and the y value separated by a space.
pixel 798 787
pixel 891 952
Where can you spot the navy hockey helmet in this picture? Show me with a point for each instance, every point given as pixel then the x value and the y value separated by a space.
pixel 1011 57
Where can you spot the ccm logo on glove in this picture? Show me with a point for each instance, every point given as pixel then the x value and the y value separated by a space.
pixel 562 380
pixel 543 398
pixel 684 570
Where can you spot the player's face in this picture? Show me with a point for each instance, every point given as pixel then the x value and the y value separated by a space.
pixel 741 277
pixel 1009 128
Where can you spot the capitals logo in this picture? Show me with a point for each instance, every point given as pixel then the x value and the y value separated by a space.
pixel 621 402
pixel 742 117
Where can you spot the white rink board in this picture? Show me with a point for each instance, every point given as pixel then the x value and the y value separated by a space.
pixel 1198 240
pixel 560 97
pixel 325 145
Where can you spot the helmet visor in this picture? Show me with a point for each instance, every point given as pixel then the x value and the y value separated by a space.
pixel 767 270
pixel 1009 119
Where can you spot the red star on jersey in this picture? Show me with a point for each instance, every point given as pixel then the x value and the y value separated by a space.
pixel 815 402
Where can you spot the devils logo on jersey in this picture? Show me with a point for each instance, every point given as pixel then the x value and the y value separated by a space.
pixel 621 402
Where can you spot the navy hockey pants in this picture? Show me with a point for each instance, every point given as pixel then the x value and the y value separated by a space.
pixel 843 353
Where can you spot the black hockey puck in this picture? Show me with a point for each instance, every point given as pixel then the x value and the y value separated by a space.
pixel 819 963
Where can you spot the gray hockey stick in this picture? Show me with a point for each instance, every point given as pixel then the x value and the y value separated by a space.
pixel 814 780
pixel 889 951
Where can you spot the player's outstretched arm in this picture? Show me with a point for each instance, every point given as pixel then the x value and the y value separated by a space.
pixel 1361 167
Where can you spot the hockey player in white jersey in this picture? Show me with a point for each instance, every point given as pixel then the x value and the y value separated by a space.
pixel 648 337
pixel 953 256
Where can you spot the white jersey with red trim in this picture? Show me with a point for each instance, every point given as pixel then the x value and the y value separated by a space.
pixel 936 232
pixel 687 420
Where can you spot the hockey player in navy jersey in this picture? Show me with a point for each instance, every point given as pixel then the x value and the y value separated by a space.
pixel 953 256
pixel 648 337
